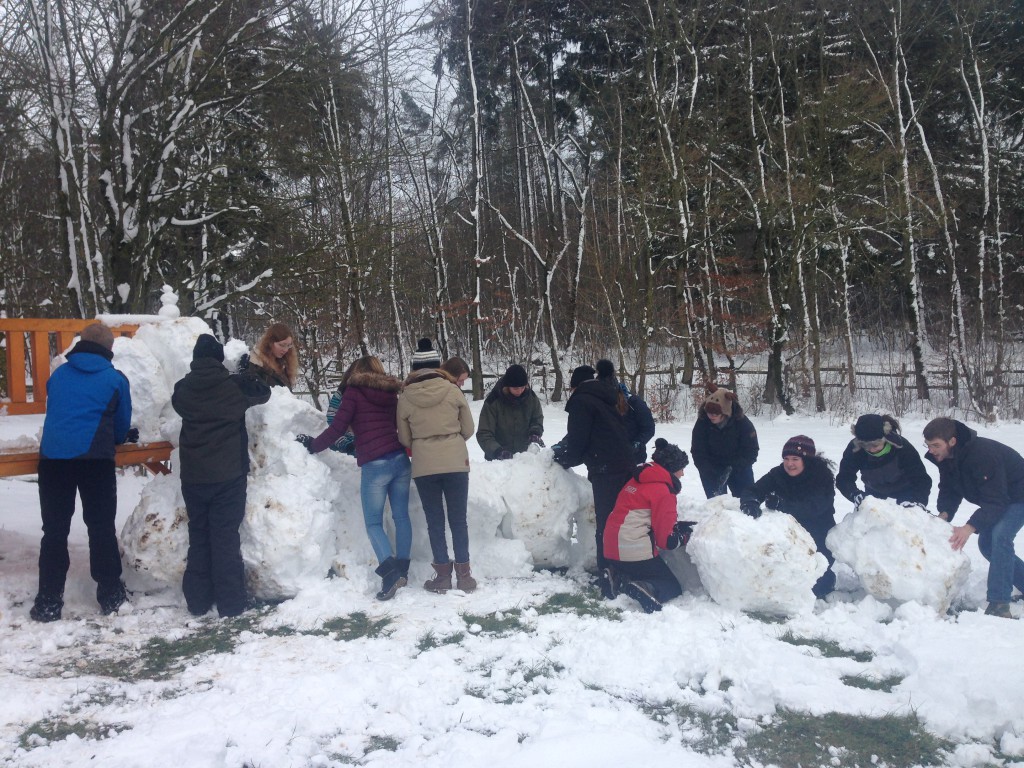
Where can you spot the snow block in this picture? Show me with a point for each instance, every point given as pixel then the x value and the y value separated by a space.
pixel 768 565
pixel 900 554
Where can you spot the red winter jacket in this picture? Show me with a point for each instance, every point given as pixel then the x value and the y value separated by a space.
pixel 369 405
pixel 646 504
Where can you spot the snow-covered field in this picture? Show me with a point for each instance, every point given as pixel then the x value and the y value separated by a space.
pixel 530 670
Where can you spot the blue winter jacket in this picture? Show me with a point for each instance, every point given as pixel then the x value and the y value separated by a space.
pixel 88 406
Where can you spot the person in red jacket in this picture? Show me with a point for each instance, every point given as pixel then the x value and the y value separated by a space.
pixel 369 405
pixel 644 522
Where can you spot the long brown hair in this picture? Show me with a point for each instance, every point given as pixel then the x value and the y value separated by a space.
pixel 289 364
pixel 368 364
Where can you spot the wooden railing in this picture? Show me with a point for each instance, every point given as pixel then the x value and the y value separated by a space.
pixel 40 333
pixel 150 455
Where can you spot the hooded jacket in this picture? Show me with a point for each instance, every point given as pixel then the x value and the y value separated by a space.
pixel 733 445
pixel 369 406
pixel 809 497
pixel 434 422
pixel 898 474
pixel 597 435
pixel 88 406
pixel 643 517
pixel 507 421
pixel 982 471
pixel 214 443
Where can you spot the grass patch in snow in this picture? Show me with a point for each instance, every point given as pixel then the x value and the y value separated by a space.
pixel 869 683
pixel 766 618
pixel 431 640
pixel 829 648
pixel 579 603
pixel 497 624
pixel 704 732
pixel 834 739
pixel 532 680
pixel 386 743
pixel 355 626
pixel 51 729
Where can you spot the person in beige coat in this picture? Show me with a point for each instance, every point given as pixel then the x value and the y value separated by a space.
pixel 434 422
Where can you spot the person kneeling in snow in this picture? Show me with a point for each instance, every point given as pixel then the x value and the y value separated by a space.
pixel 644 511
pixel 214 448
pixel 801 486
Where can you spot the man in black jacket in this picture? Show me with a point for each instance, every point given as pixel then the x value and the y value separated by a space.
pixel 214 449
pixel 887 463
pixel 991 475
pixel 597 436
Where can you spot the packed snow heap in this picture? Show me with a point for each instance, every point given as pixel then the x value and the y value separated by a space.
pixel 304 520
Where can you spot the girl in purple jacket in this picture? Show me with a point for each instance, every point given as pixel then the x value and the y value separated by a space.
pixel 368 406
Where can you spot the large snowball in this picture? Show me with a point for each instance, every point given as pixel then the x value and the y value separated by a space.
pixel 766 565
pixel 900 554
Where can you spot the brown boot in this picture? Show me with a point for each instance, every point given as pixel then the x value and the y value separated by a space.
pixel 464 577
pixel 442 582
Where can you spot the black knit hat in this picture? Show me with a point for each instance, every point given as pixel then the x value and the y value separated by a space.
pixel 605 369
pixel 801 446
pixel 869 427
pixel 671 457
pixel 208 346
pixel 515 376
pixel 425 355
pixel 581 374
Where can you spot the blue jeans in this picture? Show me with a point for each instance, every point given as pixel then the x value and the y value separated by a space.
pixel 1005 569
pixel 387 478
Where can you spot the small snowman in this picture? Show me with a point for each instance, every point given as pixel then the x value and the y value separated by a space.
pixel 169 303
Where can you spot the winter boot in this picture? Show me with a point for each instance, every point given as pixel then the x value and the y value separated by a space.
pixel 464 578
pixel 111 598
pixel 1002 610
pixel 46 608
pixel 643 593
pixel 442 582
pixel 391 578
pixel 403 566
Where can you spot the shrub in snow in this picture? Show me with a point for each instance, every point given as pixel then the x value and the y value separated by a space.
pixel 768 565
pixel 900 553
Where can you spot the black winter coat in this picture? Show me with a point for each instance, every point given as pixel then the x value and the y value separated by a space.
pixel 640 426
pixel 734 445
pixel 899 474
pixel 214 443
pixel 809 497
pixel 984 472
pixel 597 435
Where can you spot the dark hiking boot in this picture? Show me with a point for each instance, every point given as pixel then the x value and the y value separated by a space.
pixel 46 609
pixel 403 566
pixel 1002 610
pixel 391 578
pixel 442 580
pixel 608 583
pixel 464 577
pixel 111 598
pixel 643 593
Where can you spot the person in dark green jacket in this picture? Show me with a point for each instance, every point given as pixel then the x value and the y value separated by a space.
pixel 511 418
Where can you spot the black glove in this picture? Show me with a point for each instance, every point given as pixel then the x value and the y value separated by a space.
pixel 913 505
pixel 772 501
pixel 306 440
pixel 752 509
pixel 243 362
pixel 858 499
pixel 132 436
pixel 558 452
pixel 503 455
pixel 639 452
pixel 535 439
pixel 680 535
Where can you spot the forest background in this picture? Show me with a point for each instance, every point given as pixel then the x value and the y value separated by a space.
pixel 822 196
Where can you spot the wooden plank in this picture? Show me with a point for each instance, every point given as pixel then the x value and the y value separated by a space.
pixel 149 455
pixel 40 366
pixel 16 385
pixel 64 339
pixel 56 324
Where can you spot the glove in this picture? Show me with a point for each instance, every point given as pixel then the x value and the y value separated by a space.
pixel 503 455
pixel 680 535
pixel 858 499
pixel 558 453
pixel 639 452
pixel 132 436
pixel 535 439
pixel 752 509
pixel 243 362
pixel 306 440
pixel 772 501
pixel 913 505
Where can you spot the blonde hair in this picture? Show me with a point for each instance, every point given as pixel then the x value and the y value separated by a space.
pixel 288 366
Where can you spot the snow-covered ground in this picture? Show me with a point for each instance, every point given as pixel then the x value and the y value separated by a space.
pixel 530 670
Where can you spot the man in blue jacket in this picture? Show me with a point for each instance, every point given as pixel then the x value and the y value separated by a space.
pixel 991 475
pixel 88 412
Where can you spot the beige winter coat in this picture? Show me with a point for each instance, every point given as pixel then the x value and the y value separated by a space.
pixel 435 422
